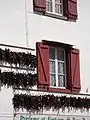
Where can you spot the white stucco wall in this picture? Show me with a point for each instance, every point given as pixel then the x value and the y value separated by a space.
pixel 12 31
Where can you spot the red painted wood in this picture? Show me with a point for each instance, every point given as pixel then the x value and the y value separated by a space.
pixel 59 90
pixel 43 64
pixel 72 70
pixel 40 5
pixel 72 10
pixel 75 70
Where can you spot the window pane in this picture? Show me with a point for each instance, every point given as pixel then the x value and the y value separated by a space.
pixel 60 55
pixel 59 9
pixel 52 66
pixel 52 80
pixel 52 53
pixel 58 6
pixel 49 5
pixel 61 68
pixel 58 1
pixel 61 81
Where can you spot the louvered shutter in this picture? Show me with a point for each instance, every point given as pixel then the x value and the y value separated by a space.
pixel 75 70
pixel 72 10
pixel 43 64
pixel 39 5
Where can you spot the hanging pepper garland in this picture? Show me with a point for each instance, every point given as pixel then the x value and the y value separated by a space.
pixel 36 103
pixel 12 79
pixel 23 80
pixel 29 102
pixel 20 58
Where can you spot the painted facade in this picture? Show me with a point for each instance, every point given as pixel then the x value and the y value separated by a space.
pixel 16 29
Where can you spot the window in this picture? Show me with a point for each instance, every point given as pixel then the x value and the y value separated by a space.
pixel 54 6
pixel 61 9
pixel 57 67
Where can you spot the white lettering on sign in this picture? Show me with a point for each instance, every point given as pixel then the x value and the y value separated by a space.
pixel 43 117
pixel 28 118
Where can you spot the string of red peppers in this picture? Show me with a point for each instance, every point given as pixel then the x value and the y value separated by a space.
pixel 18 80
pixel 12 79
pixel 36 103
pixel 18 58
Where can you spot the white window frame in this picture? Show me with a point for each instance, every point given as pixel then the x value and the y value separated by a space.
pixel 56 67
pixel 53 8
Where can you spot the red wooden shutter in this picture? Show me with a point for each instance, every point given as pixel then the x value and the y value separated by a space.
pixel 43 64
pixel 72 10
pixel 75 70
pixel 39 5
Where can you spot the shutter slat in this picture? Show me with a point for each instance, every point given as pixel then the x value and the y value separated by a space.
pixel 43 64
pixel 72 10
pixel 39 5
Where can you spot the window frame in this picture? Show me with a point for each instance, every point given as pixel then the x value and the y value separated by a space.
pixel 56 68
pixel 53 8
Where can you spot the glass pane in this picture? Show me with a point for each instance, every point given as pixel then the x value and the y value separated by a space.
pixel 48 0
pixel 59 9
pixel 52 66
pixel 60 54
pixel 52 53
pixel 49 5
pixel 46 6
pixel 52 80
pixel 56 8
pixel 61 81
pixel 61 68
pixel 58 1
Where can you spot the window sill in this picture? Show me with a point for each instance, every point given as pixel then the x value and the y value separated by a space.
pixel 57 87
pixel 54 15
pixel 54 90
pixel 59 90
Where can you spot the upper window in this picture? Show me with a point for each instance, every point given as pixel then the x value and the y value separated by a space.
pixel 57 67
pixel 54 6
pixel 65 9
